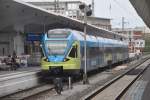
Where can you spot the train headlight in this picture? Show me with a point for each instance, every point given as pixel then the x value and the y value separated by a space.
pixel 46 59
pixel 66 59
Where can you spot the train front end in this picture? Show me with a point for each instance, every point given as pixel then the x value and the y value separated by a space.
pixel 61 52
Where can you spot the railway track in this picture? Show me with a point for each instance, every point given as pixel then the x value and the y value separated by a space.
pixel 116 88
pixel 29 94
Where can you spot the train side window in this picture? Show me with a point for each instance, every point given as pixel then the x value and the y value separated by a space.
pixel 73 52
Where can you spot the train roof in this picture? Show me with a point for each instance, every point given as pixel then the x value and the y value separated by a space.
pixel 77 35
pixel 99 34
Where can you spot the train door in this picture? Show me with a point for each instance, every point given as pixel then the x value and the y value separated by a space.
pixel 74 55
pixel 108 56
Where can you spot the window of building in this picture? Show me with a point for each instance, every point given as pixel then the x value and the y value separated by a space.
pixel 72 6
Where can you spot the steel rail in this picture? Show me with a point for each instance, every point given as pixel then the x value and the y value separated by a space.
pixel 38 93
pixel 28 93
pixel 127 88
pixel 106 85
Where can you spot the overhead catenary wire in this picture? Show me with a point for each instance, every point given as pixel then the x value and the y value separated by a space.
pixel 132 16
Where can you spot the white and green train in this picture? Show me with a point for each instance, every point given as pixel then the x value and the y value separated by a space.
pixel 63 51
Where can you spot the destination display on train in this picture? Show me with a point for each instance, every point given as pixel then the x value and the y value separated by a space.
pixel 58 34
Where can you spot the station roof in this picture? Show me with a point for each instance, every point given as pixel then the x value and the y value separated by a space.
pixel 143 9
pixel 18 16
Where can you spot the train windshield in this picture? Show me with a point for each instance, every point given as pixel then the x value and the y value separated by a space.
pixel 56 47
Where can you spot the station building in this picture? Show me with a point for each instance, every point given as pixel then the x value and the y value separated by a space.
pixel 104 23
pixel 68 8
pixel 71 9
pixel 135 38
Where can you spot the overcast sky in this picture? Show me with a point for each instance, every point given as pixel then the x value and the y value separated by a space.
pixel 114 9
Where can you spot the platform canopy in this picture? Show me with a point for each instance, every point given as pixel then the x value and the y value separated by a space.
pixel 19 16
pixel 143 9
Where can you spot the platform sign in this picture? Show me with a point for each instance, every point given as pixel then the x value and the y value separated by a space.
pixel 33 37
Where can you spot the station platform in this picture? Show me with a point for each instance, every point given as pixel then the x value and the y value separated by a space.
pixel 140 90
pixel 19 71
pixel 20 79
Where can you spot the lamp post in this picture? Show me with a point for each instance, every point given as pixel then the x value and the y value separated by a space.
pixel 85 78
pixel 87 12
